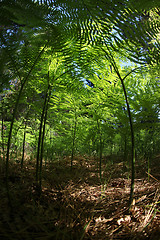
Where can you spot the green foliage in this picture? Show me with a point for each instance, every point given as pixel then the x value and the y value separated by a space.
pixel 50 50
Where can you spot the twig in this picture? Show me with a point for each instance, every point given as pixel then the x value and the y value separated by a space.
pixel 152 177
pixel 146 221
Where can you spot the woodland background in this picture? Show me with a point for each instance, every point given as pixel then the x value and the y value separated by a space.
pixel 79 119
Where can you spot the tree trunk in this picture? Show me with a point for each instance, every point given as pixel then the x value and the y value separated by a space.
pixel 100 150
pixel 23 150
pixel 43 136
pixel 2 130
pixel 113 63
pixel 73 140
pixel 40 139
pixel 13 118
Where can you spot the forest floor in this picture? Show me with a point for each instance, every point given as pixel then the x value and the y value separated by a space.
pixel 76 205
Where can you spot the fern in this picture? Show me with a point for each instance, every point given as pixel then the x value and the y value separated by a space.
pixel 88 22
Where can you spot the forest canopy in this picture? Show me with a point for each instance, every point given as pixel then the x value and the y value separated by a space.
pixel 79 78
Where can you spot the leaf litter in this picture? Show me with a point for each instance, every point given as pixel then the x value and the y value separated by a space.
pixel 77 205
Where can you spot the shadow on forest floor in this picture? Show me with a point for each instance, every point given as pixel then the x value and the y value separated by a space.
pixel 77 205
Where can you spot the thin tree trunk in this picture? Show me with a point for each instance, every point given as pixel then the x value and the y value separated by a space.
pixel 112 61
pixel 13 119
pixel 43 136
pixel 73 140
pixel 100 158
pixel 9 142
pixel 40 139
pixel 133 144
pixel 2 131
pixel 23 150
pixel 125 153
pixel 100 150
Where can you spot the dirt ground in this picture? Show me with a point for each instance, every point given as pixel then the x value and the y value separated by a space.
pixel 75 204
